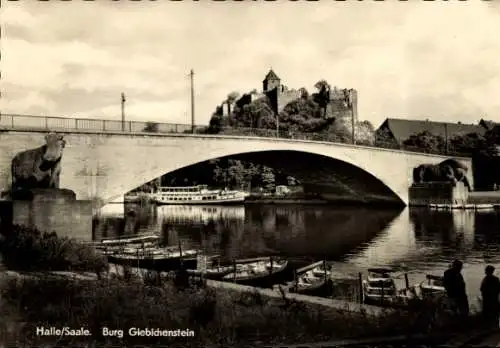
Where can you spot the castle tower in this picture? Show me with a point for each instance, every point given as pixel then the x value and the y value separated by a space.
pixel 271 81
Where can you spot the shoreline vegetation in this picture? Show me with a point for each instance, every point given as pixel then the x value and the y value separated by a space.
pixel 32 297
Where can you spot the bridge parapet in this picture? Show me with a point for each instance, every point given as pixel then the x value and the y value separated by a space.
pixel 68 124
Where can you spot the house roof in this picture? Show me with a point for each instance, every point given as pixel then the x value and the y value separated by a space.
pixel 271 75
pixel 488 124
pixel 403 129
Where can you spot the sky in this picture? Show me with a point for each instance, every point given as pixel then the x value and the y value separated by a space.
pixel 414 59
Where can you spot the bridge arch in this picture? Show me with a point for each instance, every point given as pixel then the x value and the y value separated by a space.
pixel 332 178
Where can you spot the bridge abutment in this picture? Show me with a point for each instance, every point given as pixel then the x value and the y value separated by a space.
pixel 425 194
pixel 54 210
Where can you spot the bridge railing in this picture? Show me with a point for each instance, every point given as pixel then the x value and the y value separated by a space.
pixel 16 121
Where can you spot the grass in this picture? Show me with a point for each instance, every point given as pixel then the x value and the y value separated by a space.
pixel 221 318
pixel 218 318
pixel 28 249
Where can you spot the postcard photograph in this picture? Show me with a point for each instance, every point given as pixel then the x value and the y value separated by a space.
pixel 249 173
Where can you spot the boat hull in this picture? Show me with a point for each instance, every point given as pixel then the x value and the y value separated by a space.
pixel 212 274
pixel 321 289
pixel 158 264
pixel 206 202
pixel 262 280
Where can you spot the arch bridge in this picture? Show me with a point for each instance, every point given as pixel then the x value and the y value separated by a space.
pixel 105 159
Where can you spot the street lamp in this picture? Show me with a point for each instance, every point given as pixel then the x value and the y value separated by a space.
pixel 123 111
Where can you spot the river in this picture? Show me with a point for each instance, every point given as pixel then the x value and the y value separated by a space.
pixel 416 241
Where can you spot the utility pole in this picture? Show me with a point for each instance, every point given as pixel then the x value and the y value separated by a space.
pixel 277 126
pixel 192 101
pixel 123 111
pixel 353 123
pixel 445 138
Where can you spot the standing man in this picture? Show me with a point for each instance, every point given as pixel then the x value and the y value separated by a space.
pixel 455 288
pixel 490 290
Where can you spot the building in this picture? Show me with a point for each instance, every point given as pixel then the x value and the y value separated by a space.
pixel 278 94
pixel 398 130
pixel 488 124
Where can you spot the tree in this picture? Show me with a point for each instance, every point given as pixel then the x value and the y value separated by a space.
pixel 323 95
pixel 151 127
pixel 216 123
pixel 470 144
pixel 384 138
pixel 304 94
pixel 268 179
pixel 257 114
pixel 231 98
pixel 426 142
pixel 291 181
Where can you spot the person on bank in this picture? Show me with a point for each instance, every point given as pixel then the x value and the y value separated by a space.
pixel 490 290
pixel 455 288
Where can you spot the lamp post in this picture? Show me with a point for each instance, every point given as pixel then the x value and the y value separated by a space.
pixel 191 75
pixel 123 111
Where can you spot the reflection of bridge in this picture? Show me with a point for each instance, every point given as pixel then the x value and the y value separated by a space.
pixel 105 159
pixel 184 214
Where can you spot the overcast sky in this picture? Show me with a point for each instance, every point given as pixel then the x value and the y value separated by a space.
pixel 416 60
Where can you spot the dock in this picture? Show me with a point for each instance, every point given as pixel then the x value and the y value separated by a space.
pixel 326 302
pixel 309 267
pixel 464 206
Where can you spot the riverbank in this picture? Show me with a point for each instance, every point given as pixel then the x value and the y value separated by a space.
pixel 223 317
pixel 97 298
pixel 287 201
pixel 484 197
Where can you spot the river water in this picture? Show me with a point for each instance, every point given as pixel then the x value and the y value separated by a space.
pixel 415 241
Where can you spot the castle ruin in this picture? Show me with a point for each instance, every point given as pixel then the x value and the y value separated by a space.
pixel 343 102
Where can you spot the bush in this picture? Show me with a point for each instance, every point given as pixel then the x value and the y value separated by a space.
pixel 28 249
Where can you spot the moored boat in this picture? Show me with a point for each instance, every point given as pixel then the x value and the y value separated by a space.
pixel 209 267
pixel 158 259
pixel 432 287
pixel 213 272
pixel 147 238
pixel 380 287
pixel 314 280
pixel 261 272
pixel 199 195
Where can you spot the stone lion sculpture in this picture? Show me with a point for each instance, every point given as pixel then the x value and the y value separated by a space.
pixel 449 170
pixel 39 168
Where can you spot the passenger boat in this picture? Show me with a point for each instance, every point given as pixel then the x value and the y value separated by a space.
pixel 431 287
pixel 261 272
pixel 157 259
pixel 200 195
pixel 314 280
